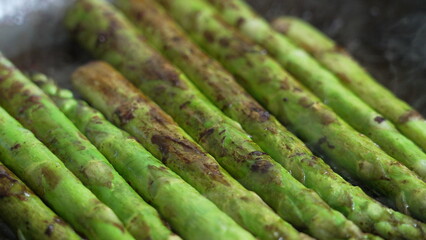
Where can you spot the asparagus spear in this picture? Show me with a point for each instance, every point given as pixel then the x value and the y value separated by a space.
pixel 163 137
pixel 221 88
pixel 224 139
pixel 151 178
pixel 25 101
pixel 294 105
pixel 44 173
pixel 353 76
pixel 26 213
pixel 325 85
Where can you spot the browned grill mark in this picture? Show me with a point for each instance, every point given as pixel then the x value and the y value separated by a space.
pixel 81 136
pixel 379 119
pixel 306 102
pixel 190 153
pixel 49 230
pixel 15 147
pixel 209 36
pixel 30 102
pixel 257 153
pixel 344 78
pixel 261 166
pixel 52 178
pixel 4 174
pixel 282 26
pixel 59 221
pixel 409 115
pixel 339 49
pixel 159 116
pixel 119 226
pixel 258 113
pixel 240 22
pixel 79 145
pixel 298 154
pixel 297 89
pixel 157 68
pixel 15 88
pixel 96 120
pixel 124 113
pixel 327 118
pixel 167 142
pixel 6 73
pixel 206 133
pixel 284 84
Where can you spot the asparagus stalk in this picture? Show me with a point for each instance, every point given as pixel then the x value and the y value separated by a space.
pixel 25 101
pixel 353 76
pixel 225 140
pixel 294 105
pixel 44 173
pixel 26 213
pixel 221 88
pixel 108 91
pixel 325 85
pixel 176 200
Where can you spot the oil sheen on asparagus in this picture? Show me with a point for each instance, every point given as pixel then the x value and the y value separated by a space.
pixel 296 106
pixel 337 60
pixel 26 214
pixel 324 84
pixel 283 146
pixel 47 176
pixel 221 136
pixel 190 214
pixel 29 105
pixel 107 90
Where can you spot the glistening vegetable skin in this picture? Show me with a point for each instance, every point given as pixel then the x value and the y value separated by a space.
pixel 297 107
pixel 219 135
pixel 45 174
pixel 124 104
pixel 189 160
pixel 324 84
pixel 222 89
pixel 29 105
pixel 26 214
pixel 337 60
pixel 192 215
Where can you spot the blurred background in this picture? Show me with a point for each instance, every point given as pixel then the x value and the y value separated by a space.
pixel 387 37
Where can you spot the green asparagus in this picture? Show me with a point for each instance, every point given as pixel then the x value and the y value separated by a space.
pixel 265 129
pixel 107 90
pixel 337 60
pixel 222 137
pixel 29 105
pixel 294 105
pixel 325 85
pixel 26 213
pixel 191 214
pixel 45 174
